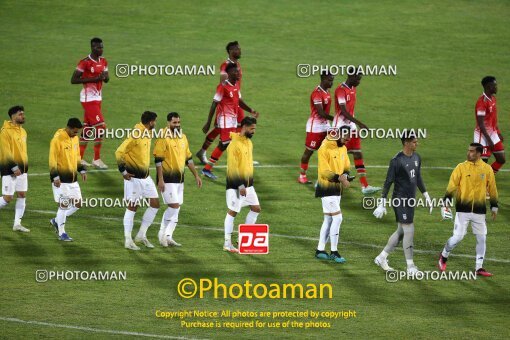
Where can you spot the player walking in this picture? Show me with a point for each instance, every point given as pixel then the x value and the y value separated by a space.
pixel 405 171
pixel 469 181
pixel 92 71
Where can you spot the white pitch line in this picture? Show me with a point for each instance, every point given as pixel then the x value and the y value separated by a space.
pixel 89 329
pixel 365 245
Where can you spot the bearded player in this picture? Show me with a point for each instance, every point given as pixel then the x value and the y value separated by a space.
pixel 92 71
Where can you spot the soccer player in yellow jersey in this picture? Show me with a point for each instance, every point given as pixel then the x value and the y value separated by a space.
pixel 14 164
pixel 171 154
pixel 240 190
pixel 333 177
pixel 133 159
pixel 470 182
pixel 65 163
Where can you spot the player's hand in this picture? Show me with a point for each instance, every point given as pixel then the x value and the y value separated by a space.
pixel 494 213
pixel 17 173
pixel 57 183
pixel 446 213
pixel 242 192
pixel 103 75
pixel 206 127
pixel 84 176
pixel 428 201
pixel 491 143
pixel 501 137
pixel 161 186
pixel 128 176
pixel 380 211
pixel 199 181
pixel 255 114
pixel 345 182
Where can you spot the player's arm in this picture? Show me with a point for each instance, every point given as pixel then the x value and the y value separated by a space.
pixel 77 79
pixel 120 154
pixel 244 106
pixel 212 110
pixel 81 168
pixel 158 160
pixel 8 155
pixel 453 185
pixel 106 74
pixel 390 178
pixel 320 111
pixel 493 194
pixel 423 190
pixel 483 129
pixel 53 162
pixel 348 116
pixel 191 165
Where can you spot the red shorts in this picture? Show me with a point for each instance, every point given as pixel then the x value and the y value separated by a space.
pixel 498 148
pixel 354 145
pixel 225 134
pixel 93 115
pixel 314 140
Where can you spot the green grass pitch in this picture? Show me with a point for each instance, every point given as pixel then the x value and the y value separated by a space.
pixel 441 49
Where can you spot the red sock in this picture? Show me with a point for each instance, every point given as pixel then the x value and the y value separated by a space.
pixel 304 168
pixel 362 172
pixel 82 149
pixel 496 166
pixel 97 150
pixel 216 154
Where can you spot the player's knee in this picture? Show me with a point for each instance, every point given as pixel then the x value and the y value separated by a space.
pixel 174 205
pixel 7 198
pixel 232 213
pixel 255 208
pixel 456 239
pixel 154 203
pixel 22 194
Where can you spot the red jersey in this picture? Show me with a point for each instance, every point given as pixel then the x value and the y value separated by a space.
pixel 316 123
pixel 91 69
pixel 486 107
pixel 223 68
pixel 227 96
pixel 344 95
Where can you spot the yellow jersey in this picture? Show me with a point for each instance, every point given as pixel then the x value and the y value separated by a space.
pixel 65 157
pixel 13 149
pixel 239 162
pixel 333 162
pixel 133 155
pixel 470 182
pixel 173 153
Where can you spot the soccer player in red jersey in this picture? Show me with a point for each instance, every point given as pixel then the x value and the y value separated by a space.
pixel 92 71
pixel 345 101
pixel 226 103
pixel 318 123
pixel 487 131
pixel 234 54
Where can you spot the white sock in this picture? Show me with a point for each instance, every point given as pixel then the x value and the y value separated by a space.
pixel 383 255
pixel 480 250
pixel 451 244
pixel 19 210
pixel 334 231
pixel 71 211
pixel 3 202
pixel 165 220
pixel 147 219
pixel 129 217
pixel 61 221
pixel 323 236
pixel 251 218
pixel 169 231
pixel 410 263
pixel 229 227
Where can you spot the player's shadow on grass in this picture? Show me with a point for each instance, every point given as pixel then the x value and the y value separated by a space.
pixel 27 249
pixel 79 256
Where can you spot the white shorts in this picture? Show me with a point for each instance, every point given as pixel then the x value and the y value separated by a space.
pixel 480 138
pixel 330 204
pixel 66 191
pixel 12 184
pixel 137 189
pixel 462 221
pixel 174 193
pixel 236 202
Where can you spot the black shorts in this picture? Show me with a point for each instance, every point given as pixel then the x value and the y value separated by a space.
pixel 404 214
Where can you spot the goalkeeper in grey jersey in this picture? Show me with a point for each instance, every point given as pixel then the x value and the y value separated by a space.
pixel 405 172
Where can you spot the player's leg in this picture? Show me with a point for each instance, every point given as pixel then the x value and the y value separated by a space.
pixel 173 197
pixel 150 192
pixel 312 143
pixel 234 203
pixel 209 139
pixel 459 231
pixel 382 259
pixel 132 195
pixel 85 137
pixel 480 231
pixel 366 189
pixel 217 152
pixel 21 188
pixel 334 236
pixel 330 228
pixel 98 143
pixel 408 245
pixel 8 189
pixel 499 155
pixel 252 201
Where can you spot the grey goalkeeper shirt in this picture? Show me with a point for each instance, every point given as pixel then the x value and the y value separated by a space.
pixel 405 172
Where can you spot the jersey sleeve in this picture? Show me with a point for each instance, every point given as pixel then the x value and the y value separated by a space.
pixel 493 191
pixel 390 177
pixel 121 152
pixel 316 98
pixel 218 96
pixel 325 169
pixel 347 164
pixel 223 68
pixel 189 155
pixel 54 151
pixel 419 179
pixel 105 65
pixel 82 65
pixel 481 107
pixel 453 184
pixel 159 150
pixel 8 156
pixel 340 97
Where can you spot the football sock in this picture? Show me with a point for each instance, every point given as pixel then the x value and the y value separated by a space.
pixel 3 202
pixel 229 227
pixel 19 210
pixel 394 240
pixel 215 155
pixel 304 168
pixel 450 244
pixel 83 147
pixel 334 231
pixel 71 211
pixel 165 220
pixel 480 251
pixel 129 217
pixel 174 218
pixel 496 166
pixel 97 150
pixel 362 172
pixel 323 236
pixel 61 221
pixel 408 242
pixel 147 219
pixel 251 218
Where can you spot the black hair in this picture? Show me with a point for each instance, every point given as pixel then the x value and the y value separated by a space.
pixel 15 109
pixel 95 40
pixel 325 74
pixel 487 80
pixel 74 123
pixel 230 66
pixel 230 45
pixel 247 121
pixel 148 116
pixel 478 146
pixel 407 136
pixel 172 115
